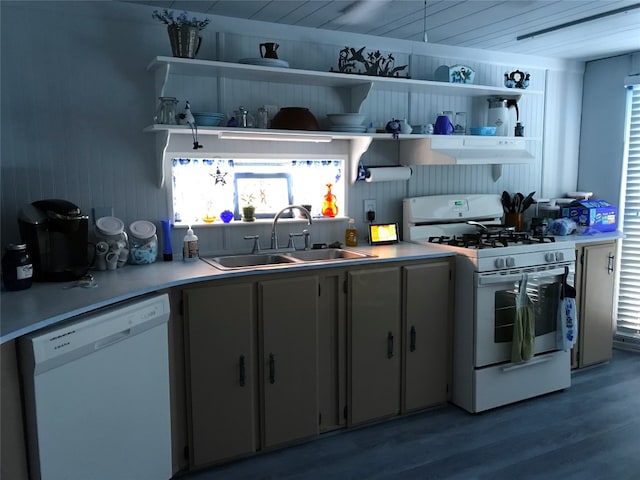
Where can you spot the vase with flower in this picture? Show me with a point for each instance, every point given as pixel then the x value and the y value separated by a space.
pixel 184 32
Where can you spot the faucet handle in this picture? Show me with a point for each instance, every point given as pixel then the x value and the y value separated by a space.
pixel 292 242
pixel 307 239
pixel 256 242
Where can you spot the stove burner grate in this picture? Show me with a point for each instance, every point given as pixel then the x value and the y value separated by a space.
pixel 490 240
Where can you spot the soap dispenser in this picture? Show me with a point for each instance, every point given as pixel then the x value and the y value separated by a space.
pixel 190 251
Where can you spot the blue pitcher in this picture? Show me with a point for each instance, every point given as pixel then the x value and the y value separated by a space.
pixel 443 126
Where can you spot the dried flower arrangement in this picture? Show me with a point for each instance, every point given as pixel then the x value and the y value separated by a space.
pixel 182 19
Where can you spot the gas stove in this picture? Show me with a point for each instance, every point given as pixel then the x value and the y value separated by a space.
pixel 441 221
pixel 494 266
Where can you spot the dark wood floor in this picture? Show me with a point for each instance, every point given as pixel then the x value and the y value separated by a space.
pixel 589 431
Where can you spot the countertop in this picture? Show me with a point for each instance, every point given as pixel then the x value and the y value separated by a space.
pixel 45 304
pixel 596 237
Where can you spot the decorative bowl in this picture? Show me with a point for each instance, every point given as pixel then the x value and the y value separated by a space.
pixel 485 131
pixel 346 119
pixel 208 119
pixel 295 118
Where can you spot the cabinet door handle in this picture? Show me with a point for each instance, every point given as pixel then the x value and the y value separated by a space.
pixel 610 263
pixel 412 341
pixel 390 345
pixel 242 371
pixel 272 368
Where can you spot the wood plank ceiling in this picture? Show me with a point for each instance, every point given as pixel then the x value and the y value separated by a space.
pixel 486 24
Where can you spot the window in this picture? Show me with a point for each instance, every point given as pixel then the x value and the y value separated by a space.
pixel 628 318
pixel 202 188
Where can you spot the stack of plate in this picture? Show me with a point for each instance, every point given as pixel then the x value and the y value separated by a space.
pixel 265 62
pixel 338 128
pixel 346 122
pixel 208 119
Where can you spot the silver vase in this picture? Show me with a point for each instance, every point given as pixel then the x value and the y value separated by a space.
pixel 185 40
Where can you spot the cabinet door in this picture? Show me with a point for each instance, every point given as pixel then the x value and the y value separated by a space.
pixel 332 348
pixel 220 330
pixel 596 298
pixel 374 322
pixel 427 321
pixel 289 313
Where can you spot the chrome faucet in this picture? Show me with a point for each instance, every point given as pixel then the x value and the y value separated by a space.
pixel 274 235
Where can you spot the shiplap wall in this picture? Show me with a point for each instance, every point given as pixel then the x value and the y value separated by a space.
pixel 76 96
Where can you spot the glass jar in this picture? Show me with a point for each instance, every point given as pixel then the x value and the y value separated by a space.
pixel 143 243
pixel 460 127
pixel 166 111
pixel 17 269
pixel 111 230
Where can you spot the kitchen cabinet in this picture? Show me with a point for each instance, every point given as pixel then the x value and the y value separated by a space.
pixel 427 300
pixel 400 320
pixel 252 355
pixel 332 349
pixel 374 311
pixel 595 281
pixel 221 328
pixel 13 446
pixel 288 328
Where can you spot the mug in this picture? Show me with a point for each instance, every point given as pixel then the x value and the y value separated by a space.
pixel 112 260
pixel 443 126
pixel 102 248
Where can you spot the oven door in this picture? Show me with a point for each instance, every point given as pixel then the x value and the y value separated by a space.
pixel 496 310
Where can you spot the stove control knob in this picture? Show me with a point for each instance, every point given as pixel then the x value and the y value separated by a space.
pixel 559 256
pixel 549 257
pixel 511 262
pixel 499 262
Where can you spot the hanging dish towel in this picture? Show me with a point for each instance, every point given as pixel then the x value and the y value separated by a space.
pixel 567 330
pixel 524 328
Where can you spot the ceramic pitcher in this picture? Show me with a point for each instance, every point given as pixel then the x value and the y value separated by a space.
pixel 268 50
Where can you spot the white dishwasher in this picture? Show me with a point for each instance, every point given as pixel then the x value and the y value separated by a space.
pixel 97 395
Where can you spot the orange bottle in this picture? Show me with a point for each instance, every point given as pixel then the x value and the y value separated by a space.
pixel 329 207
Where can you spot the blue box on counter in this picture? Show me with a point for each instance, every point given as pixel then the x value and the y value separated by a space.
pixel 596 214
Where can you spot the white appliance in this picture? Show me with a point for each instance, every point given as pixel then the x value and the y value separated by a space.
pixel 489 269
pixel 97 395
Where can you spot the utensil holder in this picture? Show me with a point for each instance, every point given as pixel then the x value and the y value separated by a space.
pixel 516 220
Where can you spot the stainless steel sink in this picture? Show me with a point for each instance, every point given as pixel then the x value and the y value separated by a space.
pixel 249 260
pixel 326 254
pixel 263 260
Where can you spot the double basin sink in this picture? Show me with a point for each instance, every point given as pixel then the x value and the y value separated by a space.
pixel 257 260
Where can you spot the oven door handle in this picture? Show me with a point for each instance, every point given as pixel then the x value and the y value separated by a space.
pixel 514 277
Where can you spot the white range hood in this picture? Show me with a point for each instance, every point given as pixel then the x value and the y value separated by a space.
pixel 464 150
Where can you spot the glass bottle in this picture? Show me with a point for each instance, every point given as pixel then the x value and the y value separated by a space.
pixel 166 112
pixel 17 269
pixel 351 234
pixel 329 207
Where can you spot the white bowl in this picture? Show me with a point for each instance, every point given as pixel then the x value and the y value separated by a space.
pixel 346 119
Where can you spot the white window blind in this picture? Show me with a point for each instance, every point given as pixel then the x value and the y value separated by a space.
pixel 628 319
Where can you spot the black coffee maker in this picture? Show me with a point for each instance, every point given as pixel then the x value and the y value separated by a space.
pixel 57 238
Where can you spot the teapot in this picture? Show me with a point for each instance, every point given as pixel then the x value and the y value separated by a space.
pixel 269 50
pixel 443 125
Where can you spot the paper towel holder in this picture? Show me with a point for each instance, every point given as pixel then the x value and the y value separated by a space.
pixel 385 173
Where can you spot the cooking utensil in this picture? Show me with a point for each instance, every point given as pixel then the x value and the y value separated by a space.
pixel 491 228
pixel 506 202
pixel 517 201
pixel 527 202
